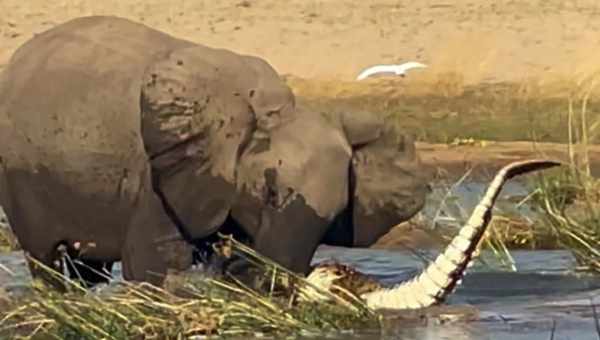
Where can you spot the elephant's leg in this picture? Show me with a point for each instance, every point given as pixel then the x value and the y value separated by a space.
pixel 153 243
pixel 36 228
pixel 91 272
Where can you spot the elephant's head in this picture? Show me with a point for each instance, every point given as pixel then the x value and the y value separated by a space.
pixel 200 106
pixel 203 109
pixel 388 182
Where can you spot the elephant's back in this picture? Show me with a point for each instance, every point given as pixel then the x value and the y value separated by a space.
pixel 70 141
pixel 71 94
pixel 70 117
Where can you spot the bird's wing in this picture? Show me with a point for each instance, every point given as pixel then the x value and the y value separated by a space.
pixel 377 69
pixel 408 65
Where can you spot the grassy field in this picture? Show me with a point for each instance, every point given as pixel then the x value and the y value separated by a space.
pixel 445 110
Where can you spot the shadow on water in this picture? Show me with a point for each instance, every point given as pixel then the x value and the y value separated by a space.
pixel 542 295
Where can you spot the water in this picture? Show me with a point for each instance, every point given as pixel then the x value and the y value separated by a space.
pixel 454 206
pixel 542 295
pixel 512 305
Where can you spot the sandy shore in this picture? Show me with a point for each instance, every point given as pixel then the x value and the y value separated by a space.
pixel 483 40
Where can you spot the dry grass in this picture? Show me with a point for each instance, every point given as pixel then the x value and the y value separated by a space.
pixel 441 108
pixel 569 204
pixel 190 305
pixel 8 241
pixel 569 199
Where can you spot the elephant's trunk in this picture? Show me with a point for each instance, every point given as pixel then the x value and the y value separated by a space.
pixel 440 278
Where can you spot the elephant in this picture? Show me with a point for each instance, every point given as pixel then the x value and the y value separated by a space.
pixel 121 143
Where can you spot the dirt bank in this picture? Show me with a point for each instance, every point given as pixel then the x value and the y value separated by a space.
pixel 486 157
pixel 483 40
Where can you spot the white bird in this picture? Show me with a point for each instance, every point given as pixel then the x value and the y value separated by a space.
pixel 398 70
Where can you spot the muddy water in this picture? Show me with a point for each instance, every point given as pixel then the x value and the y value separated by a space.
pixel 542 295
pixel 511 305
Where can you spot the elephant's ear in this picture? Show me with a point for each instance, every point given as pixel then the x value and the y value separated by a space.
pixel 172 96
pixel 194 121
pixel 389 185
pixel 361 127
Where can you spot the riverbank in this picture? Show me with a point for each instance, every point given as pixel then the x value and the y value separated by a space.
pixel 482 40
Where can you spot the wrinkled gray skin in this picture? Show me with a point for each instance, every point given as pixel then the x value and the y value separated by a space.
pixel 123 143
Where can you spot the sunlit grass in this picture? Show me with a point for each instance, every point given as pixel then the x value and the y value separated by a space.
pixel 442 110
pixel 569 206
pixel 189 305
pixel 569 199
pixel 8 241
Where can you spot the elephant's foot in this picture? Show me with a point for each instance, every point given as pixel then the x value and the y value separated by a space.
pixel 89 272
pixel 226 263
pixel 139 267
pixel 240 270
pixel 151 261
pixel 257 277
